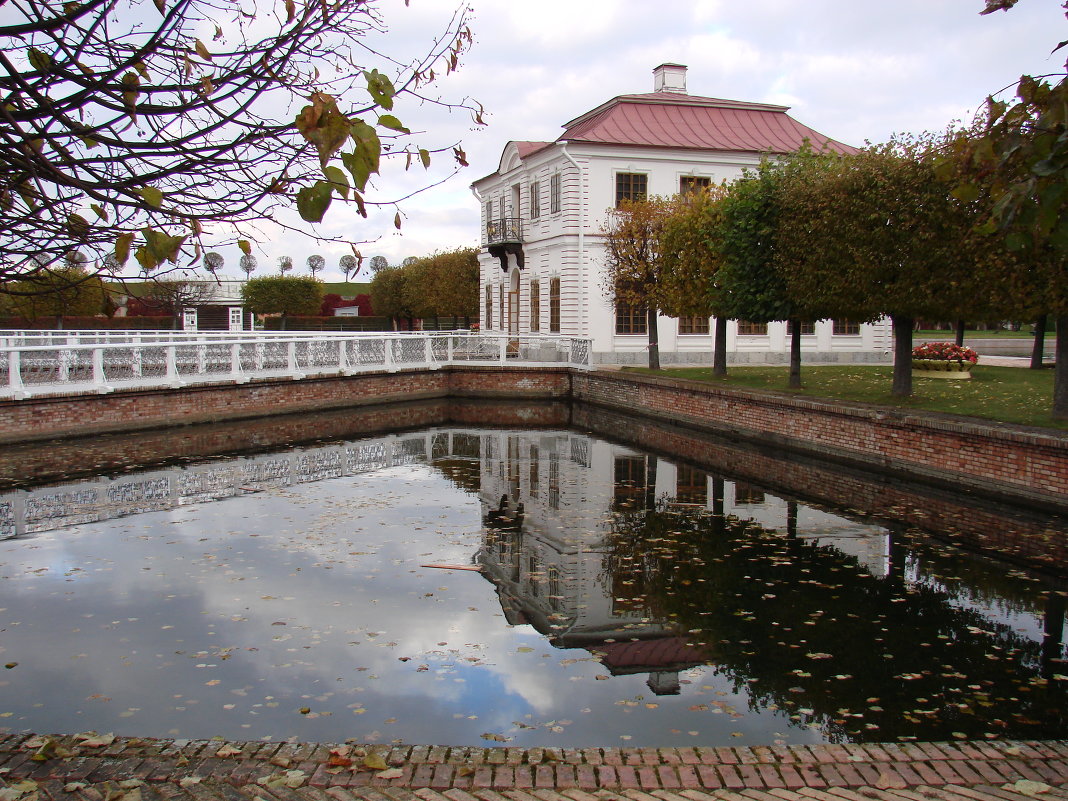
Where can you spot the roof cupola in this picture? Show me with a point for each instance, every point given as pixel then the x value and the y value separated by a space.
pixel 670 78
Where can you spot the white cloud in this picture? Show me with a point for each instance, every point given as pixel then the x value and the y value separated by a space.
pixel 854 71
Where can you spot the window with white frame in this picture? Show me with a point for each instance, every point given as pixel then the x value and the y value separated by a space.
pixel 489 306
pixel 535 200
pixel 554 193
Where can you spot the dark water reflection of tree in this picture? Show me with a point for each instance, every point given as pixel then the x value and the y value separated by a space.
pixel 813 632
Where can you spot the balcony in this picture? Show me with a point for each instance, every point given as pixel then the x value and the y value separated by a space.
pixel 503 236
pixel 504 231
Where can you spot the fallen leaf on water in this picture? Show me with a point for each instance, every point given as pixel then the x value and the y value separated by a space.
pixel 375 762
pixel 91 739
pixel 1028 787
pixel 17 790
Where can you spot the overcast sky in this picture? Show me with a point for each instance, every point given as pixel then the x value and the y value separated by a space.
pixel 855 70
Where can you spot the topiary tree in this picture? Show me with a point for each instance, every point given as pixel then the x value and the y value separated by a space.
pixel 283 295
pixel 349 266
pixel 753 276
pixel 285 264
pixel 691 245
pixel 213 262
pixel 315 264
pixel 57 292
pixel 633 261
pixel 248 264
pixel 876 233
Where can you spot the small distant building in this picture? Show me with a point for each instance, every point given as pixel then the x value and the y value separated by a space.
pixel 199 304
pixel 220 309
pixel 542 259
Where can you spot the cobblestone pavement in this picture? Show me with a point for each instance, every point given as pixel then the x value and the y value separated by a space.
pixel 105 768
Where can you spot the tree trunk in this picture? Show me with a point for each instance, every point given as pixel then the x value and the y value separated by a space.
pixel 960 334
pixel 1039 346
pixel 654 339
pixel 1060 371
pixel 719 349
pixel 795 354
pixel 718 521
pixel 902 387
pixel 282 322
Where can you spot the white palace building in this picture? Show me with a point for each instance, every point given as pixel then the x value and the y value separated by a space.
pixel 542 255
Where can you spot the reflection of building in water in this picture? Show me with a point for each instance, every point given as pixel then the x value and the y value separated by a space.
pixel 550 501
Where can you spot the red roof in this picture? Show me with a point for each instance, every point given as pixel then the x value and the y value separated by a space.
pixel 673 119
pixel 530 148
pixel 640 656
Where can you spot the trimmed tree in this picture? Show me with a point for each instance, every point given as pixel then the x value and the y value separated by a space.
pixel 633 261
pixel 691 252
pixel 284 295
pixel 388 296
pixel 876 233
pixel 753 276
pixel 56 292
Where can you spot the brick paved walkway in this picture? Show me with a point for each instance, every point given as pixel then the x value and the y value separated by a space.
pixel 74 768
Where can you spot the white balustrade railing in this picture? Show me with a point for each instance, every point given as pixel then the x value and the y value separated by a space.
pixel 30 370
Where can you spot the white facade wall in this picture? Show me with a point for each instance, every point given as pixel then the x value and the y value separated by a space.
pixel 568 245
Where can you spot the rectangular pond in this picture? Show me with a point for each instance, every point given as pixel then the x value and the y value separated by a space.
pixel 465 585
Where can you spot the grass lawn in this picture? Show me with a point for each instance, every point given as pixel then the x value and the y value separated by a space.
pixel 1008 394
pixel 948 336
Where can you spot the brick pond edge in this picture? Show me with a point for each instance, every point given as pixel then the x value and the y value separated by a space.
pixel 69 766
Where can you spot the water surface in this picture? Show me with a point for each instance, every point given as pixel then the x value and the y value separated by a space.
pixel 477 586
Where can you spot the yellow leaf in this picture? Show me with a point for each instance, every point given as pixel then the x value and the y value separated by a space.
pixel 375 762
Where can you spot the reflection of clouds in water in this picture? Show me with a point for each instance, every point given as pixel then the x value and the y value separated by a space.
pixel 229 617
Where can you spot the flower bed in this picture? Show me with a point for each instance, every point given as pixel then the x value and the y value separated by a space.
pixel 944 357
pixel 943 360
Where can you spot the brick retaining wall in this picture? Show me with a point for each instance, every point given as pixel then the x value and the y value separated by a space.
pixel 989 459
pixel 29 463
pixel 80 415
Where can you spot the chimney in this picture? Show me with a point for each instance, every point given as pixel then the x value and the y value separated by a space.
pixel 670 78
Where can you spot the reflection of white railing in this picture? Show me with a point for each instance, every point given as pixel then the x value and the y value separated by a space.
pixel 29 370
pixel 103 498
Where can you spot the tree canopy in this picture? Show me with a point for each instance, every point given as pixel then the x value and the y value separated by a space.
pixel 692 248
pixel 633 260
pixel 443 284
pixel 56 292
pixel 158 130
pixel 283 294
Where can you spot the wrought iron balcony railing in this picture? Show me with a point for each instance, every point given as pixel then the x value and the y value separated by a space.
pixel 504 230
